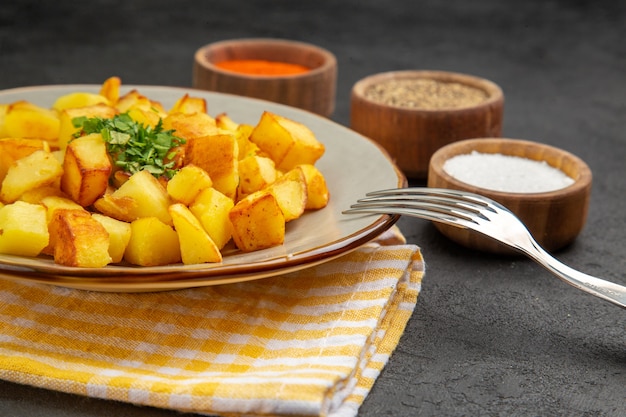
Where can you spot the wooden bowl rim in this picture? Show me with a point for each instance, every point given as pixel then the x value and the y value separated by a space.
pixel 493 90
pixel 329 61
pixel 581 184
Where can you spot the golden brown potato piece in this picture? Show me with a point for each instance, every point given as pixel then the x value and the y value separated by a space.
pixel 189 105
pixel 121 208
pixel 66 127
pixel 4 108
pixel 78 239
pixel 38 169
pixel 190 126
pixel 286 141
pixel 119 235
pixel 24 229
pixel 317 190
pixel 217 155
pixel 141 195
pixel 152 243
pixel 37 195
pixel 86 169
pixel 196 246
pixel 258 222
pixel 26 120
pixel 79 99
pixel 212 207
pixel 111 89
pixel 255 173
pixel 290 193
pixel 187 183
pixel 223 121
pixel 12 149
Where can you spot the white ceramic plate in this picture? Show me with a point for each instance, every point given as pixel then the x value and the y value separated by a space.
pixel 352 166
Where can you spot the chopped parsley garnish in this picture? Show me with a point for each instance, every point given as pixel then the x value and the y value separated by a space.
pixel 133 146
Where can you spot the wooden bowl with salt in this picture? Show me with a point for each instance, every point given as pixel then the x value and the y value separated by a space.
pixel 414 113
pixel 294 73
pixel 546 187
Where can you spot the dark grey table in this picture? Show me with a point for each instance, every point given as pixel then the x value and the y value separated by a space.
pixel 490 336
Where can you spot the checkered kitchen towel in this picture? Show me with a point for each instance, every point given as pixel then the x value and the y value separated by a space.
pixel 306 343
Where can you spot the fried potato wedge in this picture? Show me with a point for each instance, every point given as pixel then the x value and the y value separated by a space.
pixel 12 149
pixel 187 183
pixel 212 208
pixel 142 195
pixel 26 120
pixel 196 246
pixel 38 169
pixel 318 195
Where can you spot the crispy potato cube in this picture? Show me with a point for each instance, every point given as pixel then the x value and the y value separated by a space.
pixel 86 169
pixel 119 235
pixel 111 89
pixel 66 117
pixel 23 229
pixel 26 120
pixel 123 208
pixel 188 182
pixel 255 173
pixel 190 126
pixel 258 222
pixel 135 100
pixel 317 190
pixel 196 246
pixel 12 149
pixel 189 105
pixel 287 142
pixel 212 207
pixel 223 121
pixel 217 155
pixel 290 193
pixel 78 239
pixel 150 195
pixel 152 243
pixel 79 99
pixel 35 170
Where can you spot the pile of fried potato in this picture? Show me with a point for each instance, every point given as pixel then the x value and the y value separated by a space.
pixel 61 195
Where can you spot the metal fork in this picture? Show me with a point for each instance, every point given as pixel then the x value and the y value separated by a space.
pixel 483 215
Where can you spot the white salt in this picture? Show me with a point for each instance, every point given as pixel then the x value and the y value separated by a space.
pixel 506 173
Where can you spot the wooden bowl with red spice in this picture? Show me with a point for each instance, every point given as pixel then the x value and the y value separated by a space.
pixel 414 113
pixel 546 187
pixel 294 73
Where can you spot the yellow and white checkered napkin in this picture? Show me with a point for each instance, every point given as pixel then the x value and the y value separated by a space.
pixel 306 343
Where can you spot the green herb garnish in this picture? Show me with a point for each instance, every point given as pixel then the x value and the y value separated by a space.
pixel 133 146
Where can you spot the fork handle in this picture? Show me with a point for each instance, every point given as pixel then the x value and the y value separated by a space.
pixel 606 290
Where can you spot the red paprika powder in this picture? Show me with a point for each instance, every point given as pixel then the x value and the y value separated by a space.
pixel 262 67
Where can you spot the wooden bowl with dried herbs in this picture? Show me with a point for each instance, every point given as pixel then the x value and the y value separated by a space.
pixel 289 72
pixel 414 113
